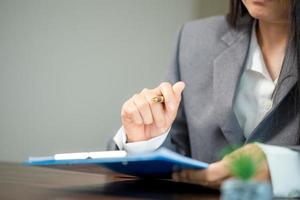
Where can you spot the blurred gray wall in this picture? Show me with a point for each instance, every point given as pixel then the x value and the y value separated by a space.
pixel 66 67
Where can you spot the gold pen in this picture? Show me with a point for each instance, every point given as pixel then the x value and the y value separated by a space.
pixel 158 99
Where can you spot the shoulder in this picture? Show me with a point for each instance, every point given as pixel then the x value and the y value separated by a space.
pixel 201 40
pixel 209 28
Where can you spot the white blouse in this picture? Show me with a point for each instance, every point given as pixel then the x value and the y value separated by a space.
pixel 255 92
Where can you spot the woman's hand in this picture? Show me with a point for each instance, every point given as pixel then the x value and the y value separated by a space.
pixel 218 172
pixel 142 119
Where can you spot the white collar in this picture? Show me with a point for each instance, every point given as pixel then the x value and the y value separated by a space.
pixel 255 61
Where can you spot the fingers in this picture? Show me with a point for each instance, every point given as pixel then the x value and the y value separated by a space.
pixel 178 89
pixel 140 110
pixel 164 116
pixel 130 113
pixel 144 109
pixel 157 109
pixel 211 177
pixel 217 172
pixel 172 95
pixel 171 101
pixel 169 96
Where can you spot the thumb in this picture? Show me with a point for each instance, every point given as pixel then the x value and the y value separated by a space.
pixel 178 88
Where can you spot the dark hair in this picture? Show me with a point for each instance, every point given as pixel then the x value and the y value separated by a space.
pixel 238 12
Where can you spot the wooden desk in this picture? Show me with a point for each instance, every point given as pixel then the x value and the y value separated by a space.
pixel 34 183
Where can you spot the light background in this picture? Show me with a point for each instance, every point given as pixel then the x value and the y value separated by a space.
pixel 67 66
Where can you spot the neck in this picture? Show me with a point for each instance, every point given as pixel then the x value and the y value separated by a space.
pixel 272 39
pixel 272 35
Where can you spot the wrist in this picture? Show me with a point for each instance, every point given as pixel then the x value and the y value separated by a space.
pixel 132 139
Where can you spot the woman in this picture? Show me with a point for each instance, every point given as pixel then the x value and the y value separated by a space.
pixel 239 75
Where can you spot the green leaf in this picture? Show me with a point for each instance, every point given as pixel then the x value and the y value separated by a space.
pixel 243 167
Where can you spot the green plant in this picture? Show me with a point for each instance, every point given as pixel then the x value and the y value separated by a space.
pixel 243 167
pixel 243 162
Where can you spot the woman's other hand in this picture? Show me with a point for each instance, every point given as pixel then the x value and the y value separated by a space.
pixel 218 172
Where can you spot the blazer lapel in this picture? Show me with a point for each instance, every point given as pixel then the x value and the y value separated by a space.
pixel 228 67
pixel 287 80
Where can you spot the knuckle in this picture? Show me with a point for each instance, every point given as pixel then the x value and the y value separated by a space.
pixel 130 110
pixel 165 84
pixel 151 92
pixel 145 90
pixel 123 114
pixel 149 96
pixel 124 105
pixel 135 96
pixel 148 121
pixel 141 105
pixel 124 108
pixel 139 122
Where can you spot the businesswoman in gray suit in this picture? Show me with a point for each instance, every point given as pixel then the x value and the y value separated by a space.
pixel 233 81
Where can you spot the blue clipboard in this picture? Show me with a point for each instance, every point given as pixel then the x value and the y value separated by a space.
pixel 158 164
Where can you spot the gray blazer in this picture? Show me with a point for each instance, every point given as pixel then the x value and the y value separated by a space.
pixel 209 58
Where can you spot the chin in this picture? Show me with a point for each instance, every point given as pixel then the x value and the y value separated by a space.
pixel 261 14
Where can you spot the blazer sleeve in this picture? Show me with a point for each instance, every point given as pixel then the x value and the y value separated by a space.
pixel 178 138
